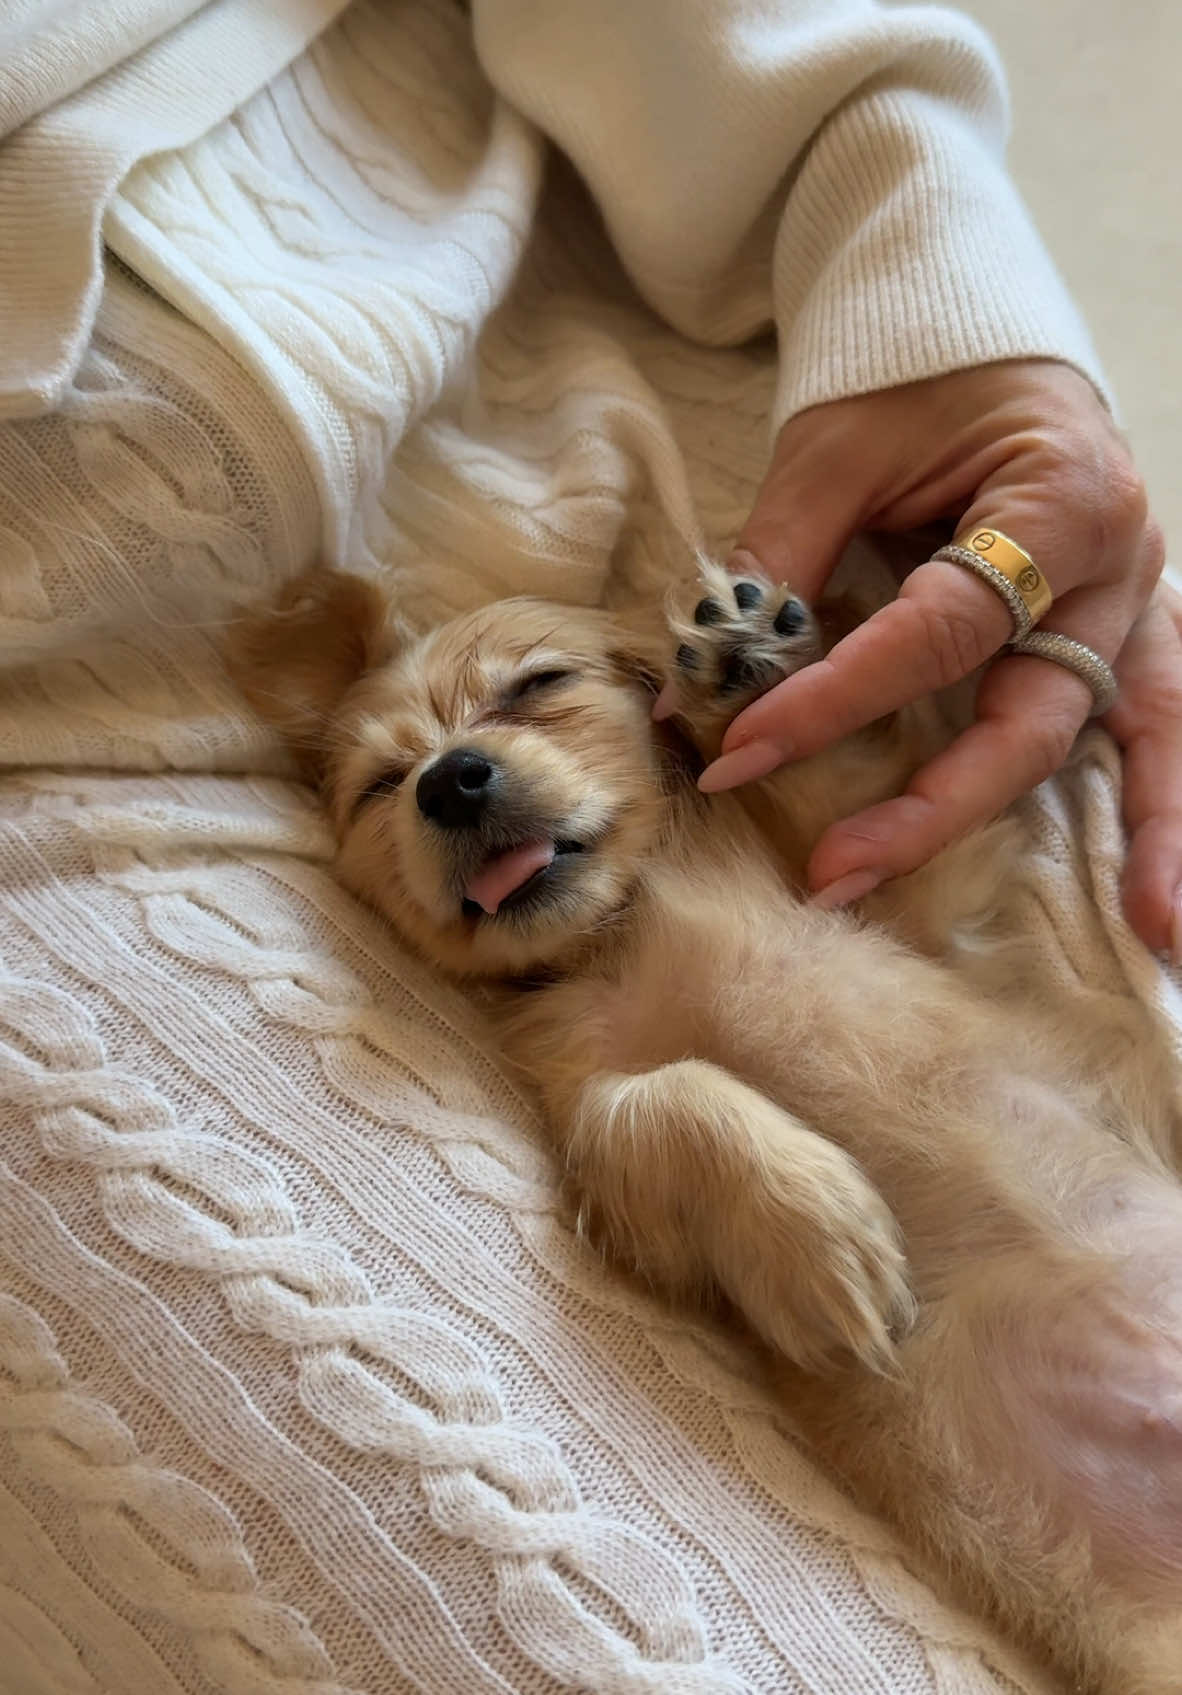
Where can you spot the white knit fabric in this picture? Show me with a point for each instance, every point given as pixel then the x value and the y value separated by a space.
pixel 64 158
pixel 829 168
pixel 305 1382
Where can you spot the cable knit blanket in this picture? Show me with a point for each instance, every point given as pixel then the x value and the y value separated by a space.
pixel 305 1383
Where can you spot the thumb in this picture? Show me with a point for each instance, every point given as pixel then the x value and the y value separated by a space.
pixel 810 504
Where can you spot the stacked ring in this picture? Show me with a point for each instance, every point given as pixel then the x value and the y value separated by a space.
pixel 1074 656
pixel 1007 568
pixel 1012 573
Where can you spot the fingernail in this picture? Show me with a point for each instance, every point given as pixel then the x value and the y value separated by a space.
pixel 666 702
pixel 849 888
pixel 738 738
pixel 747 763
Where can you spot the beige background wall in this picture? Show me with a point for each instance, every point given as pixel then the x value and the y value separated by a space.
pixel 1097 148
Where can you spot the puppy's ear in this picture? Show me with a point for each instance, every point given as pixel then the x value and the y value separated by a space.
pixel 296 661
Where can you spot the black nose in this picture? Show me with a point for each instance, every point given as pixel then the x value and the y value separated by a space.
pixel 455 791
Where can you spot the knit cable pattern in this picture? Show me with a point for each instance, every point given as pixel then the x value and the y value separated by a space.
pixel 158 1534
pixel 269 1188
pixel 401 1381
pixel 506 1489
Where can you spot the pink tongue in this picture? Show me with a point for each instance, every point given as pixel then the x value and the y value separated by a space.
pixel 501 876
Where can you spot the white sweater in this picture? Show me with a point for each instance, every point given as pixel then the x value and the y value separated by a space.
pixel 305 1382
pixel 832 167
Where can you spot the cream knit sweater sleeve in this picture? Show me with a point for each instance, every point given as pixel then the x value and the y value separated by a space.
pixel 834 168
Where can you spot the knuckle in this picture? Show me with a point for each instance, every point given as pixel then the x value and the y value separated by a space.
pixel 1096 481
pixel 954 644
pixel 1058 459
pixel 1153 551
pixel 1118 509
pixel 1131 499
pixel 1049 739
pixel 1128 495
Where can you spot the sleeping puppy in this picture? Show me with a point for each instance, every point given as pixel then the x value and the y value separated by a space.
pixel 961 1247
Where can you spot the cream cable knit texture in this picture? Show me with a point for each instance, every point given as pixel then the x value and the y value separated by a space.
pixel 305 1383
pixel 827 166
pixel 832 167
pixel 59 168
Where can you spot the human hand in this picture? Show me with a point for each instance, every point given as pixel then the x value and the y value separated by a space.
pixel 1147 724
pixel 1028 448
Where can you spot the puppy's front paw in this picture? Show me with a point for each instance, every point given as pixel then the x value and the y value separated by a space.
pixel 733 639
pixel 826 1274
pixel 706 1185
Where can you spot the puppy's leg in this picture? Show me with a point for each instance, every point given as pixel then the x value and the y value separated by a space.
pixel 733 639
pixel 701 1182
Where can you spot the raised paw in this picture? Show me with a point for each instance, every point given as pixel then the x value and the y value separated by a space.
pixel 707 1186
pixel 821 1274
pixel 733 639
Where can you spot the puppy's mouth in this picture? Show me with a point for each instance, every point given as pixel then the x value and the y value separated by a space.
pixel 518 877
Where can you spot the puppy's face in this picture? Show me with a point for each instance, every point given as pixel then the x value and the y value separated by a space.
pixel 493 786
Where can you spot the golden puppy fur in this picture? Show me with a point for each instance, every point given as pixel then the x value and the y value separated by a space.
pixel 955 1223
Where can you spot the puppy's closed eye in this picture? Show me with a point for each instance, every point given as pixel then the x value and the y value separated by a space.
pixel 539 682
pixel 386 783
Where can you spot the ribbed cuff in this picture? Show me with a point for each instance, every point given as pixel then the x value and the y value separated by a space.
pixel 905 252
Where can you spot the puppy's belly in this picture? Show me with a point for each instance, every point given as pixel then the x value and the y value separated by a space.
pixel 1038 1408
pixel 1105 1411
pixel 1097 1384
pixel 1043 1387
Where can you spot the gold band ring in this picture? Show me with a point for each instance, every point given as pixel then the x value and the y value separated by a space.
pixel 1011 572
pixel 1006 567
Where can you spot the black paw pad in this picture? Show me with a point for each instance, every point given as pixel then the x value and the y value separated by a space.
pixel 687 658
pixel 709 611
pixel 747 595
pixel 738 675
pixel 790 619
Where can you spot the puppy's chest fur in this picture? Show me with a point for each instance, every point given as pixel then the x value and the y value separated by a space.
pixel 717 957
pixel 652 985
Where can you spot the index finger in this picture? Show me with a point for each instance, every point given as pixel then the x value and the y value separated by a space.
pixel 1147 723
pixel 944 623
pixel 1029 713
